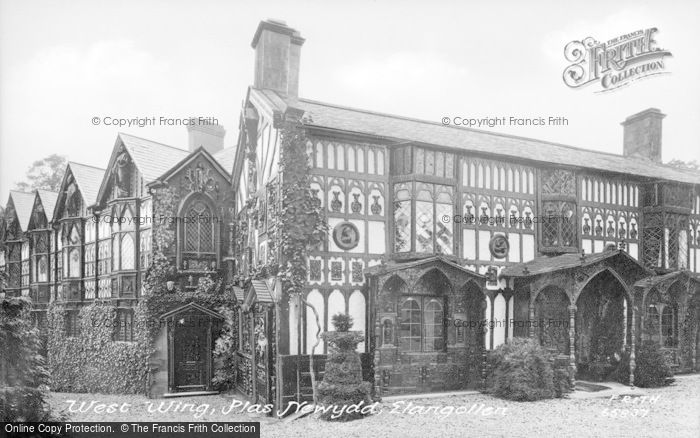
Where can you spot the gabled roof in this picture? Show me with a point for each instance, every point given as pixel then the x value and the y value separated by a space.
pixel 152 159
pixel 225 157
pixel 191 306
pixel 672 276
pixel 24 203
pixel 239 294
pixel 88 179
pixel 393 128
pixel 546 265
pixel 261 291
pixel 189 158
pixel 48 201
pixel 392 266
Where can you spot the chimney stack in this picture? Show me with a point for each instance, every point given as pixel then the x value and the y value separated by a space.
pixel 208 135
pixel 277 53
pixel 642 135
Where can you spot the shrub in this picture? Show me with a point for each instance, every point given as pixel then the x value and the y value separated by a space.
pixel 522 370
pixel 23 375
pixel 342 383
pixel 651 368
pixel 224 352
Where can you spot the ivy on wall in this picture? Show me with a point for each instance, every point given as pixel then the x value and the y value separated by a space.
pixel 91 361
pixel 301 223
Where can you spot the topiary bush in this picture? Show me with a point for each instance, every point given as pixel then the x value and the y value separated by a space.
pixel 651 368
pixel 342 383
pixel 522 370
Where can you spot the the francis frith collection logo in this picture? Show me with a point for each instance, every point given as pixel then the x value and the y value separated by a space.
pixel 616 62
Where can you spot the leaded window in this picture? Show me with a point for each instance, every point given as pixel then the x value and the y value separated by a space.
pixel 433 323
pixel 558 228
pixel 124 327
pixel 421 324
pixel 669 329
pixel 145 249
pixel 410 328
pixel 25 264
pixel 433 233
pixel 198 234
pixel 14 264
pixel 123 235
pixel 402 218
pixel 666 240
pixel 558 218
pixel 41 256
pixel 72 250
pixel 72 323
pixel 104 246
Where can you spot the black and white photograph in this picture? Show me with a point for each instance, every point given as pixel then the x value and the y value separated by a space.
pixel 375 218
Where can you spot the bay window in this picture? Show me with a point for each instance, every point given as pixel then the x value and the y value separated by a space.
pixel 25 264
pixel 40 259
pixel 123 234
pixel 423 215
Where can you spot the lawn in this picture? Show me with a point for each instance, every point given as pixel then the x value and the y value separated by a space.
pixel 665 412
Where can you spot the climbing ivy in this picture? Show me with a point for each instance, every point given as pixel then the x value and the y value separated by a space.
pixel 301 222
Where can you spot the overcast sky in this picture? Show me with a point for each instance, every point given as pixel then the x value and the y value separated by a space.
pixel 63 63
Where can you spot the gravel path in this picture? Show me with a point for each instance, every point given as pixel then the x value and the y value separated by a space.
pixel 665 412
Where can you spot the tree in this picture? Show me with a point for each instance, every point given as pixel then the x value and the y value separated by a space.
pixel 46 174
pixel 688 165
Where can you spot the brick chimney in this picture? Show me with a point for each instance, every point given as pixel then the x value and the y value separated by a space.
pixel 208 135
pixel 277 53
pixel 642 135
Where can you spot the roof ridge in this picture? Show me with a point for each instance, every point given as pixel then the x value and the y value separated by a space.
pixel 22 192
pixel 152 141
pixel 86 165
pixel 462 128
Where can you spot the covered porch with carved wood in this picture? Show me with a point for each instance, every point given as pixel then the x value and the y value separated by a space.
pixel 582 308
pixel 426 326
pixel 670 305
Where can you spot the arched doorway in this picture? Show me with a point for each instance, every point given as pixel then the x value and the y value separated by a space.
pixel 601 326
pixel 552 317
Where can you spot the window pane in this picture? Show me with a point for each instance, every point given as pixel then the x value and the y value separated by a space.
pixel 410 325
pixel 127 252
pixel 115 255
pixel 433 323
pixel 402 225
pixel 199 229
pixel 424 226
pixel 42 269
pixel 444 236
pixel 74 261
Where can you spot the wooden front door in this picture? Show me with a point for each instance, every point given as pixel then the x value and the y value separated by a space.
pixel 191 352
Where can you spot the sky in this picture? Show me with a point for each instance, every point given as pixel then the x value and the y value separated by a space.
pixel 64 63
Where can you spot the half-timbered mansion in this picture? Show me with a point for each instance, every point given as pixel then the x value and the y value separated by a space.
pixel 442 243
